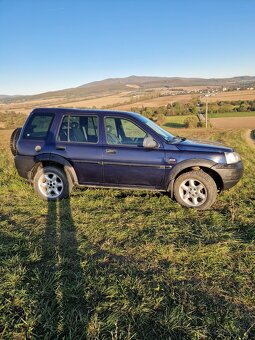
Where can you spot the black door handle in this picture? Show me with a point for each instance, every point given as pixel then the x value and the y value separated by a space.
pixel 111 151
pixel 60 147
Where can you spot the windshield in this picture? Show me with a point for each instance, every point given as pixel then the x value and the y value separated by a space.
pixel 163 133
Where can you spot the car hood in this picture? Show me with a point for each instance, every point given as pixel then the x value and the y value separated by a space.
pixel 199 145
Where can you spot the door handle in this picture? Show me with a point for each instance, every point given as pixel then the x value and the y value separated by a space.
pixel 60 147
pixel 111 151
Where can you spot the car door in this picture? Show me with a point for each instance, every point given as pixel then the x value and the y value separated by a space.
pixel 125 161
pixel 78 142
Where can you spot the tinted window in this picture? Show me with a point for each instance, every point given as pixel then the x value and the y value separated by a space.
pixel 123 131
pixel 80 129
pixel 38 126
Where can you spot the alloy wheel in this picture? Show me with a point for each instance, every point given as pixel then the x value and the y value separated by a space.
pixel 193 192
pixel 50 185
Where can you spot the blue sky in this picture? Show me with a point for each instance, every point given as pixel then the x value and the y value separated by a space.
pixel 51 44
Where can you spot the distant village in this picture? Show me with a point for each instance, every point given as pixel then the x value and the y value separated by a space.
pixel 205 90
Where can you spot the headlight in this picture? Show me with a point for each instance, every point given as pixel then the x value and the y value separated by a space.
pixel 232 157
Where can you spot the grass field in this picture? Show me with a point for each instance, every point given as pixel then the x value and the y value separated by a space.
pixel 218 120
pixel 112 264
pixel 232 114
pixel 233 122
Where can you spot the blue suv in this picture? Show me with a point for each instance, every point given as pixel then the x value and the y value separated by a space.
pixel 60 148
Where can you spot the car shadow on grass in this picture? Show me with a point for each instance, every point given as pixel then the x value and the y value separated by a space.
pixel 60 309
pixel 117 285
pixel 125 291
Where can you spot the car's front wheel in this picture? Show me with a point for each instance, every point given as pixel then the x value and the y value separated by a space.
pixel 195 189
pixel 51 183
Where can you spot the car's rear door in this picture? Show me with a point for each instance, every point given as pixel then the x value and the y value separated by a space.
pixel 78 142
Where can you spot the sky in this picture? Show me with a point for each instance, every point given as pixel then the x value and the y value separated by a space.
pixel 51 44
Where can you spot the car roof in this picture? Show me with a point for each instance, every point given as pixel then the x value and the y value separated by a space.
pixel 60 111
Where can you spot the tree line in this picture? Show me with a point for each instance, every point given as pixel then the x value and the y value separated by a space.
pixel 194 107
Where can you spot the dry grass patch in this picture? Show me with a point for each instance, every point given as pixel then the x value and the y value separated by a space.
pixel 233 122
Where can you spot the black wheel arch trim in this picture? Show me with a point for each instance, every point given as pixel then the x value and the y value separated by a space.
pixel 48 157
pixel 189 163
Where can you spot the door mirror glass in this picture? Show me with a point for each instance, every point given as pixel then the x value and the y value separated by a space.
pixel 150 143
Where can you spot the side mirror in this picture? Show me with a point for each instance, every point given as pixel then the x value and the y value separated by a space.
pixel 150 143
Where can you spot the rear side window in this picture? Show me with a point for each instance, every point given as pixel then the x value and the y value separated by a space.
pixel 80 129
pixel 38 126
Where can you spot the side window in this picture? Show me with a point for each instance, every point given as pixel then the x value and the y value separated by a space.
pixel 131 130
pixel 80 129
pixel 122 131
pixel 38 126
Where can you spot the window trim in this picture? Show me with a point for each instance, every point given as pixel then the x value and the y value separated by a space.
pixel 77 115
pixel 124 145
pixel 41 114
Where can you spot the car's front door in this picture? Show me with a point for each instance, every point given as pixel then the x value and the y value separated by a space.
pixel 125 161
pixel 78 142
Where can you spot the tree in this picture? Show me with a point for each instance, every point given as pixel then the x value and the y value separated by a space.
pixel 191 122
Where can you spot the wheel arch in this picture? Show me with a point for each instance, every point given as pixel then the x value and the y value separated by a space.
pixel 54 160
pixel 194 164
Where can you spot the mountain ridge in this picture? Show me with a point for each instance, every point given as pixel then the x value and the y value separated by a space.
pixel 116 85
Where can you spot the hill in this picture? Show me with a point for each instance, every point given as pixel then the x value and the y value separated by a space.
pixel 133 91
pixel 116 85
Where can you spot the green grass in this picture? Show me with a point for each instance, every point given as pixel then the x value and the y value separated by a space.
pixel 232 114
pixel 112 264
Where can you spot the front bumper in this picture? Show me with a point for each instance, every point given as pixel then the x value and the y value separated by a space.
pixel 229 173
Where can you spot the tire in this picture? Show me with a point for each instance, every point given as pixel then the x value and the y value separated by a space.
pixel 52 184
pixel 195 189
pixel 13 141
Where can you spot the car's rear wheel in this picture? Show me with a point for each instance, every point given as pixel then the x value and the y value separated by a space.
pixel 195 189
pixel 51 183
